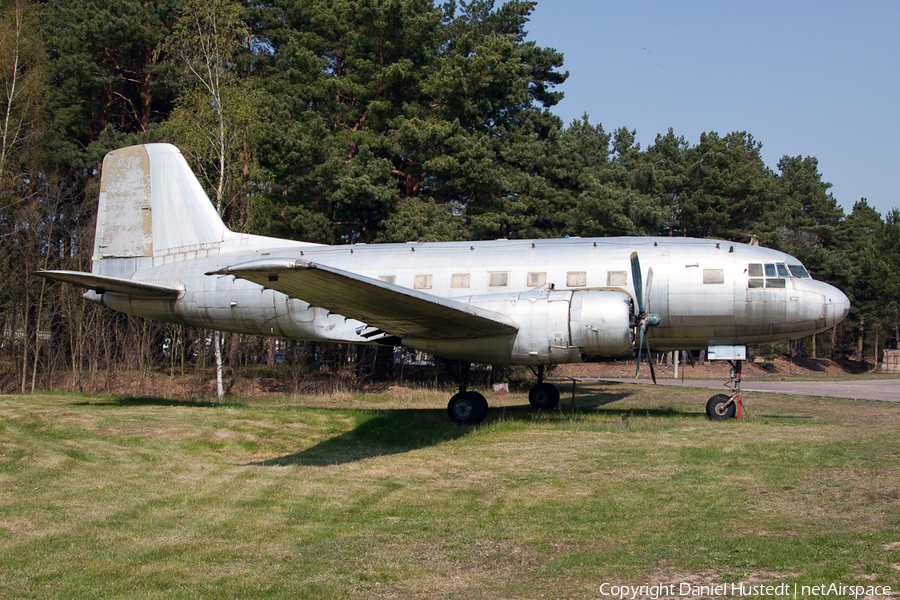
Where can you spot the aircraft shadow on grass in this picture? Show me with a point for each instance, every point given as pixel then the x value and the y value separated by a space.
pixel 404 430
pixel 123 401
pixel 398 431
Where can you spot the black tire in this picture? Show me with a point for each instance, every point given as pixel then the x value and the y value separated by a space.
pixel 716 409
pixel 544 396
pixel 467 408
pixel 482 404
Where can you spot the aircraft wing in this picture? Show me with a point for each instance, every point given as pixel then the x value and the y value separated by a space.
pixel 395 310
pixel 117 285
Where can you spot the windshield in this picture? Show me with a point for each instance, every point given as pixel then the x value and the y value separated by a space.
pixel 798 271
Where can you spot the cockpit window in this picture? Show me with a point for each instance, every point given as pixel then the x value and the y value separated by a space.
pixel 798 271
pixel 772 275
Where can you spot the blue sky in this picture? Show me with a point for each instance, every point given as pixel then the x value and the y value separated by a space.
pixel 811 78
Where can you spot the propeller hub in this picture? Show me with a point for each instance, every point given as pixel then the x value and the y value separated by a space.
pixel 653 320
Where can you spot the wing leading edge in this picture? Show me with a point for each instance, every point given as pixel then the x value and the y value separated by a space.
pixel 393 309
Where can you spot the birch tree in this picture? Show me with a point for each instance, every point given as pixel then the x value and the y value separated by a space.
pixel 212 120
pixel 21 58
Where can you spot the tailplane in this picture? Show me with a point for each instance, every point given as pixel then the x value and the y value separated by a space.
pixel 151 205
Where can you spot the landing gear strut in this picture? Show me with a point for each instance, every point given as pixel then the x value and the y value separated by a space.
pixel 543 396
pixel 465 407
pixel 724 406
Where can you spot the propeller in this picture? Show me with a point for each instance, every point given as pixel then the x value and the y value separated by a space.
pixel 645 318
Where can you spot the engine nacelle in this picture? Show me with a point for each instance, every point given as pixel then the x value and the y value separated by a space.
pixel 600 322
pixel 554 327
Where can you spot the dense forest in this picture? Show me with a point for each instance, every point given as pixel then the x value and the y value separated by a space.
pixel 343 121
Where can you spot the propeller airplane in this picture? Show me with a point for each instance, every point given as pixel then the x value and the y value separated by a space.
pixel 161 251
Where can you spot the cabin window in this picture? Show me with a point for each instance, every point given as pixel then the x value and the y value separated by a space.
pixel 713 276
pixel 499 279
pixel 617 278
pixel 388 278
pixel 460 280
pixel 422 282
pixel 576 279
pixel 536 279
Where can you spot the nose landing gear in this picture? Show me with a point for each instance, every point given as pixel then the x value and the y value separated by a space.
pixel 725 406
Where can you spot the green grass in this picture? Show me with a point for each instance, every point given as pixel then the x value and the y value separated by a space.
pixel 361 496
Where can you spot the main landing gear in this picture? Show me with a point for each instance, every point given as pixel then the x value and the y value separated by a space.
pixel 465 407
pixel 543 396
pixel 725 406
pixel 470 408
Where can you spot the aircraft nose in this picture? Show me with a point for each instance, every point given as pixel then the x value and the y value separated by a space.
pixel 837 306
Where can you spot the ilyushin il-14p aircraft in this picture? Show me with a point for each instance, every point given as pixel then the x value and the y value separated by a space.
pixel 161 251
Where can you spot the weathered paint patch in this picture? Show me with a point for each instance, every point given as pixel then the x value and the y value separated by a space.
pixel 124 216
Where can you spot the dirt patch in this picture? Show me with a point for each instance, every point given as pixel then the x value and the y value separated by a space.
pixel 200 385
pixel 779 368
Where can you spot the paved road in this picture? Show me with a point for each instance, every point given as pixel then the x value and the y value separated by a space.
pixel 886 390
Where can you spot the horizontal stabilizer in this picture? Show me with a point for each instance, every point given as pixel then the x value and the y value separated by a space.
pixel 116 285
pixel 394 309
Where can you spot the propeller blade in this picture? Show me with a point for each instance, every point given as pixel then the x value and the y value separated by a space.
pixel 644 317
pixel 638 284
pixel 637 370
pixel 646 306
pixel 650 361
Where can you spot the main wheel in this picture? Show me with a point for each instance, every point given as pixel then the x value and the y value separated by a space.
pixel 481 403
pixel 467 408
pixel 544 396
pixel 717 410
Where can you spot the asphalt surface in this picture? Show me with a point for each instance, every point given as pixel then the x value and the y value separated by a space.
pixel 885 390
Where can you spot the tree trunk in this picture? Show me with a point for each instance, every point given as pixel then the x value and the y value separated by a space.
pixel 859 341
pixel 877 335
pixel 220 388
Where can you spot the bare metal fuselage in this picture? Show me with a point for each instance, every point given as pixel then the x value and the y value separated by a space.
pixel 701 289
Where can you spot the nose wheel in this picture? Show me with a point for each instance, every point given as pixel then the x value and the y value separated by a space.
pixel 727 406
pixel 721 407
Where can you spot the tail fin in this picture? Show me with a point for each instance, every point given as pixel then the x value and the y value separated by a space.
pixel 151 205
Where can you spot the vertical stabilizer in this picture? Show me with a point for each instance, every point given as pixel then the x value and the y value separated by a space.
pixel 151 205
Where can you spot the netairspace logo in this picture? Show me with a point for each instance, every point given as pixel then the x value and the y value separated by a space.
pixel 744 590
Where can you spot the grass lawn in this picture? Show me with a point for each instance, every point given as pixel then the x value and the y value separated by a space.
pixel 380 496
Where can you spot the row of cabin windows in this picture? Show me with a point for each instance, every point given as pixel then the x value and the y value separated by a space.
pixel 501 279
pixel 772 275
pixel 574 279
